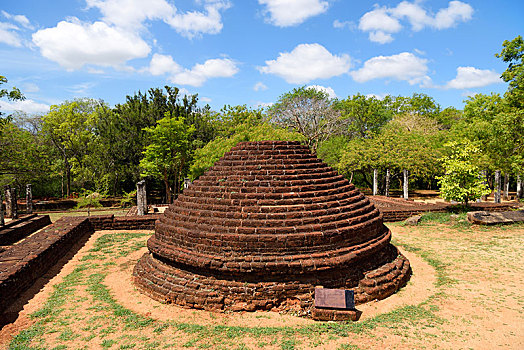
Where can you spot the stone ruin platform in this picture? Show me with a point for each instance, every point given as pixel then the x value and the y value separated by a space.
pixel 398 209
pixel 261 229
pixel 487 218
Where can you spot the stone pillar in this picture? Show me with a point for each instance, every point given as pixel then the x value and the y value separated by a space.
pixel 14 198
pixel 506 187
pixel 485 175
pixel 187 182
pixel 497 186
pixel 141 197
pixel 519 187
pixel 405 183
pixel 8 202
pixel 388 176
pixel 2 222
pixel 375 181
pixel 29 199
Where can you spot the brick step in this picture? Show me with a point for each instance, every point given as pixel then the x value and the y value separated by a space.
pixel 22 229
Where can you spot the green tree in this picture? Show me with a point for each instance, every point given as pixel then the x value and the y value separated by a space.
pixel 168 152
pixel 70 128
pixel 365 116
pixel 309 112
pixel 12 95
pixel 513 53
pixel 420 104
pixel 123 137
pixel 207 156
pixel 462 180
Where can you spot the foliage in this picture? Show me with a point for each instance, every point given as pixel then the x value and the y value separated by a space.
pixel 28 157
pixel 168 152
pixel 89 199
pixel 12 95
pixel 408 142
pixel 69 127
pixel 309 112
pixel 364 115
pixel 214 150
pixel 513 53
pixel 461 181
pixel 128 199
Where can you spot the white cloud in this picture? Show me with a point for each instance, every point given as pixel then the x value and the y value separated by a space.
pixel 328 90
pixel 205 99
pixel 74 44
pixel 380 37
pixel 260 86
pixel 416 15
pixel 471 77
pixel 305 63
pixel 384 21
pixel 455 12
pixel 162 64
pixel 196 76
pixel 81 89
pixel 344 24
pixel 20 19
pixel 30 87
pixel 191 24
pixel 260 104
pixel 286 13
pixel 130 14
pixel 213 68
pixel 404 66
pixel 8 36
pixel 379 20
pixel 27 106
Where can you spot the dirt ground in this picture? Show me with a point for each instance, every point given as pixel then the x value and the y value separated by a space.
pixel 466 293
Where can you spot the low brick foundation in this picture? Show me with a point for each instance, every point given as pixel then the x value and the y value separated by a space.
pixel 111 222
pixel 22 264
pixel 22 229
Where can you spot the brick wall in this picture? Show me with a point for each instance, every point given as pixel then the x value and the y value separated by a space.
pixel 22 229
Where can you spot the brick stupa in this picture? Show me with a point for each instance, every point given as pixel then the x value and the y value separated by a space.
pixel 261 229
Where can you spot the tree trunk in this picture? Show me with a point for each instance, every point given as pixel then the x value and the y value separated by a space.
pixel 519 187
pixel 506 187
pixel 405 183
pixel 375 181
pixel 388 175
pixel 497 186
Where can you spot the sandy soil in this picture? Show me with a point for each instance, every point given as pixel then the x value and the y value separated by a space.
pixel 479 305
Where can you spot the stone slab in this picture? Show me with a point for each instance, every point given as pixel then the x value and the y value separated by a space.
pixel 494 218
pixel 334 298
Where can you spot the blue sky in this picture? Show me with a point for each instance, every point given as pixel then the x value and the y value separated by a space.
pixel 252 51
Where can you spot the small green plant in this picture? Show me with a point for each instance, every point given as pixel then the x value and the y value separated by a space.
pixel 89 199
pixel 128 199
pixel 462 181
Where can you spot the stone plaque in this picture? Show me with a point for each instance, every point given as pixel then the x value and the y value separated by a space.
pixel 334 298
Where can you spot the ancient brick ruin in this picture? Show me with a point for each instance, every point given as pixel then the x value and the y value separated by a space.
pixel 264 226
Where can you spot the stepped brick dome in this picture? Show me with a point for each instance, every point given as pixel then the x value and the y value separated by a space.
pixel 262 228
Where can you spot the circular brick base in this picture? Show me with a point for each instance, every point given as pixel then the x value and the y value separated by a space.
pixel 170 284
